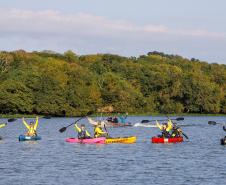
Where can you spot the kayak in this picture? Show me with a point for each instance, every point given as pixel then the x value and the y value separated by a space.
pixel 100 140
pixel 29 138
pixel 119 124
pixel 166 140
pixel 223 141
pixel 108 123
pixel 124 140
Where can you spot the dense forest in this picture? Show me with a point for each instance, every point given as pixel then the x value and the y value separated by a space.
pixel 50 83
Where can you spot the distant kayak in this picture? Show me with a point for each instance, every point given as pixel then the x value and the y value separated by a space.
pixel 223 141
pixel 108 123
pixel 124 140
pixel 100 140
pixel 28 138
pixel 167 140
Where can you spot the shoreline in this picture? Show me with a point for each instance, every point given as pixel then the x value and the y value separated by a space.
pixel 106 115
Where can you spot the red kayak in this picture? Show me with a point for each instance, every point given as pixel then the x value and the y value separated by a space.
pixel 167 140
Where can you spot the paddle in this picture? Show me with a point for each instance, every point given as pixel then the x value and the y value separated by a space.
pixel 224 128
pixel 12 119
pixel 106 131
pixel 176 119
pixel 214 123
pixel 184 135
pixel 65 128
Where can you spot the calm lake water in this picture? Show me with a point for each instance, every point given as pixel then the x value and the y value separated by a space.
pixel 200 160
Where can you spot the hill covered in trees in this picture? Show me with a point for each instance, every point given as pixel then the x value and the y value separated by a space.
pixel 67 84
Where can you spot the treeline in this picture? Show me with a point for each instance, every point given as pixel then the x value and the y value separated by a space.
pixel 67 84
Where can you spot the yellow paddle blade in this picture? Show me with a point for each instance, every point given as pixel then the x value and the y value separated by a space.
pixel 3 125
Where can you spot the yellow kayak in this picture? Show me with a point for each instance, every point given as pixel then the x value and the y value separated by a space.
pixel 124 140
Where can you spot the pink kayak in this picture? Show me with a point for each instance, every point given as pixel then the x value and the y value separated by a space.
pixel 100 140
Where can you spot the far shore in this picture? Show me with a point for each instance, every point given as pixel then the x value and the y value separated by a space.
pixel 107 115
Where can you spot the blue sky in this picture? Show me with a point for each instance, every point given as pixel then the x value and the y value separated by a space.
pixel 194 28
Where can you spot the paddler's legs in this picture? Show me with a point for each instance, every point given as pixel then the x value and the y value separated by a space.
pixel 104 135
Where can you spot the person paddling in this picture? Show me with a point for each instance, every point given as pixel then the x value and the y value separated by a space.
pixel 123 118
pixel 31 127
pixel 82 132
pixel 176 131
pixel 165 128
pixel 98 131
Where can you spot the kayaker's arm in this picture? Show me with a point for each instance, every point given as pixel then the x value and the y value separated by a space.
pixel 158 125
pixel 126 115
pixel 36 123
pixel 100 131
pixel 25 123
pixel 77 128
pixel 88 134
pixel 169 126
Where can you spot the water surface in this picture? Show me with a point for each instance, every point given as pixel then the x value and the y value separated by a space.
pixel 200 160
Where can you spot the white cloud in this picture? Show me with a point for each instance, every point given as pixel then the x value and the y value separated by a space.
pixel 87 33
pixel 54 22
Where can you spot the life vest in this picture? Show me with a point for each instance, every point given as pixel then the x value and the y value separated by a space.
pixel 176 132
pixel 31 131
pixel 82 134
pixel 98 131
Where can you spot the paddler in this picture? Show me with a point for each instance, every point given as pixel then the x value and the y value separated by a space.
pixel 123 118
pixel 82 132
pixel 176 131
pixel 115 120
pixel 98 131
pixel 165 128
pixel 31 127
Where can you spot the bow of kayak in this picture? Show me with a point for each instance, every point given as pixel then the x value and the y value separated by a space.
pixel 29 138
pixel 100 140
pixel 167 140
pixel 108 124
pixel 124 140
